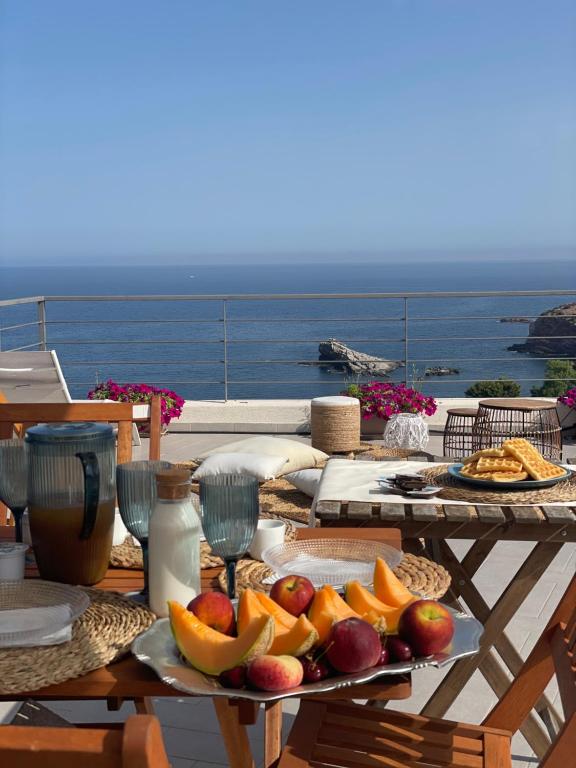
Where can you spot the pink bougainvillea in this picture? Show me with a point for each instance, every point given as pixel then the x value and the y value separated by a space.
pixel 171 403
pixel 568 398
pixel 379 399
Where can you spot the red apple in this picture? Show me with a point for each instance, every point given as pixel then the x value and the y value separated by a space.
pixel 293 593
pixel 215 610
pixel 427 626
pixel 353 646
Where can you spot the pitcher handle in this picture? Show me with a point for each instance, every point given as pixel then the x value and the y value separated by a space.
pixel 91 492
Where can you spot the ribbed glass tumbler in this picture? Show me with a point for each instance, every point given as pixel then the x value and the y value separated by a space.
pixel 229 507
pixel 136 488
pixel 406 430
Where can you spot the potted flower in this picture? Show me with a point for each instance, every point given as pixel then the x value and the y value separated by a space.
pixel 566 407
pixel 171 403
pixel 380 400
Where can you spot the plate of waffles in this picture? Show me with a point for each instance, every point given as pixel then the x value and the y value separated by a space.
pixel 515 465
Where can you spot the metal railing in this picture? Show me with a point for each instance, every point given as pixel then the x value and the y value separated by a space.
pixel 246 331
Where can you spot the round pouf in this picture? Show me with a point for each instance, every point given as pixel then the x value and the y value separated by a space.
pixel 335 424
pixel 406 430
pixel 458 432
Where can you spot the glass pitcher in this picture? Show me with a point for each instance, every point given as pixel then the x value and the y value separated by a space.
pixel 71 499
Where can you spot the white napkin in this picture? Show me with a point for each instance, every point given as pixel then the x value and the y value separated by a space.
pixel 35 621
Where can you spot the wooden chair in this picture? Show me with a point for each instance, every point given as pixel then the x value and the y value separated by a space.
pixel 137 745
pixel 329 733
pixel 26 415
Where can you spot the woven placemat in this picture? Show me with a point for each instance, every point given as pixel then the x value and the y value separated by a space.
pixel 454 489
pixel 417 573
pixel 101 635
pixel 129 554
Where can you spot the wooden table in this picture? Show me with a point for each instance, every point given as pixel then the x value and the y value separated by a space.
pixel 128 679
pixel 550 527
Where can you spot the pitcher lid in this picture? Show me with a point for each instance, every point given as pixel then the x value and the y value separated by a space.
pixel 67 431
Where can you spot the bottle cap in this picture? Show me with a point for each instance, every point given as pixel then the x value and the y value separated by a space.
pixel 173 483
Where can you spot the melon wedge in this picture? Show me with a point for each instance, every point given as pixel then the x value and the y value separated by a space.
pixel 294 640
pixel 281 616
pixel 212 652
pixel 326 609
pixel 383 618
pixel 387 586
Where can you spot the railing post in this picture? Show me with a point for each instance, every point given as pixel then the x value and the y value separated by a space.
pixel 224 320
pixel 42 324
pixel 405 341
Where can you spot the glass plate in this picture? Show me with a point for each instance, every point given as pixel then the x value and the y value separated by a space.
pixel 156 648
pixel 330 561
pixel 36 593
pixel 519 485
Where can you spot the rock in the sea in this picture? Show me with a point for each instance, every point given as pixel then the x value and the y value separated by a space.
pixel 558 322
pixel 343 357
pixel 514 320
pixel 441 370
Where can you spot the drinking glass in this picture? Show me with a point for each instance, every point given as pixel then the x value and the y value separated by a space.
pixel 13 479
pixel 136 489
pixel 229 507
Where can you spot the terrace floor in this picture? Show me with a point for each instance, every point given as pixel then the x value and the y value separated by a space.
pixel 190 726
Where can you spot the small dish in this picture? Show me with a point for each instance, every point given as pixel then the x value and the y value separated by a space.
pixel 330 561
pixel 422 493
pixel 36 593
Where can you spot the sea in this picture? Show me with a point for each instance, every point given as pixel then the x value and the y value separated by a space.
pixel 272 346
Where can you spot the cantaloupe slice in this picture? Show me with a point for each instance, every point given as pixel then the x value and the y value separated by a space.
pixel 383 617
pixel 294 640
pixel 387 586
pixel 328 607
pixel 282 616
pixel 212 652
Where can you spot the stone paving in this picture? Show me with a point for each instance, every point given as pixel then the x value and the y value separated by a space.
pixel 190 726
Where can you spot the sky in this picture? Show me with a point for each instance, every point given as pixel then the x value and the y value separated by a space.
pixel 142 130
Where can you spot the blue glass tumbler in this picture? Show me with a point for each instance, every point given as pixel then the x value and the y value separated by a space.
pixel 229 507
pixel 136 488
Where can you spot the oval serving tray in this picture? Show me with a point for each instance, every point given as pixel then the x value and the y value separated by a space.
pixel 156 648
pixel 519 485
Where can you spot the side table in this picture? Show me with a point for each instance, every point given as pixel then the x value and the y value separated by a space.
pixel 534 420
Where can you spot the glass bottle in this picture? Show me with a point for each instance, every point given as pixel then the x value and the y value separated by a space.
pixel 174 543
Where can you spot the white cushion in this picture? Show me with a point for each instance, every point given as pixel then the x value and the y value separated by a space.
pixel 336 400
pixel 297 455
pixel 305 480
pixel 259 466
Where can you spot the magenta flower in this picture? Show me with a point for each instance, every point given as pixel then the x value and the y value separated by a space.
pixel 171 404
pixel 383 399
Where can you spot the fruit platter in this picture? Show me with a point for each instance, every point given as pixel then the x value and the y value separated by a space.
pixel 300 640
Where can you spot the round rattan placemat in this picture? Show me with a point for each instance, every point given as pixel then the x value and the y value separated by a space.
pixel 129 555
pixel 454 489
pixel 417 573
pixel 101 635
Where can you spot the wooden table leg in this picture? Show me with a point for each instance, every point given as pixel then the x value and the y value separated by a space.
pixel 144 706
pixel 272 733
pixel 234 735
pixel 494 623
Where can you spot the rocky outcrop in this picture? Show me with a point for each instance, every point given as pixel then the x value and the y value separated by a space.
pixel 340 356
pixel 514 320
pixel 559 322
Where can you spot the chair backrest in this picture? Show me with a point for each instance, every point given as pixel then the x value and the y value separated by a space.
pixel 137 745
pixel 29 414
pixel 553 654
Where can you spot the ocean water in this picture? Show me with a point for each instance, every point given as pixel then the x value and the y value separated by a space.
pixel 272 345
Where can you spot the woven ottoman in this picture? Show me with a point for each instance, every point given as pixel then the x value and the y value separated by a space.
pixel 335 424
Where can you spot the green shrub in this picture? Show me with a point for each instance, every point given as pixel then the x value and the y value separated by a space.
pixel 562 375
pixel 498 388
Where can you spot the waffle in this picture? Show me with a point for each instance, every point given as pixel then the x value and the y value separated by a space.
pixel 472 471
pixel 508 477
pixel 496 453
pixel 533 463
pixel 508 465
